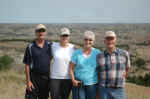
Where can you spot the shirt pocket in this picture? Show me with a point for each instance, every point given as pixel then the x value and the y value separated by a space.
pixel 122 60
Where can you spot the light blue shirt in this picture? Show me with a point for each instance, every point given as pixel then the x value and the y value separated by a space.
pixel 85 69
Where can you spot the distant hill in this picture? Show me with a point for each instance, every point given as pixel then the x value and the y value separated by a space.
pixel 132 37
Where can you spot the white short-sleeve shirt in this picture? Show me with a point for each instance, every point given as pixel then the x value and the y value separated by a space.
pixel 61 58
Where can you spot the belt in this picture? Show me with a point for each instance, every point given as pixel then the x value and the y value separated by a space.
pixel 36 72
pixel 114 87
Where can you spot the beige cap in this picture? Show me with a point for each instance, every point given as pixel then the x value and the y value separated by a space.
pixel 40 26
pixel 65 31
pixel 110 34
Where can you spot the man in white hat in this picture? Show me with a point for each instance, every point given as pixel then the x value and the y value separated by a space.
pixel 113 67
pixel 37 63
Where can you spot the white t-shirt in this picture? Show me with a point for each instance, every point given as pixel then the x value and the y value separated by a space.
pixel 61 58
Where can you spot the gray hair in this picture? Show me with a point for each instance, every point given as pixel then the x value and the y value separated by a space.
pixel 89 34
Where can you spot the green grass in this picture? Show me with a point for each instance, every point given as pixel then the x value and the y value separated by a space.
pixel 12 85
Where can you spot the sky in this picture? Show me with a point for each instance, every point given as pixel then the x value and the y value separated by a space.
pixel 74 11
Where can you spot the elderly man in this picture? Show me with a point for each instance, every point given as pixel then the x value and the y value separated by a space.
pixel 37 63
pixel 113 66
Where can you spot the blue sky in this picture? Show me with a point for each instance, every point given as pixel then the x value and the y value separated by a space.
pixel 74 11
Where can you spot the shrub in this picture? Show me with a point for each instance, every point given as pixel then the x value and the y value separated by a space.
pixel 140 80
pixel 123 46
pixel 139 62
pixel 147 80
pixel 5 62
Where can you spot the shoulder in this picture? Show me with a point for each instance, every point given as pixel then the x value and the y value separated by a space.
pixel 75 47
pixel 78 51
pixel 55 44
pixel 71 45
pixel 97 51
pixel 101 55
pixel 29 48
pixel 30 45
pixel 49 42
pixel 122 52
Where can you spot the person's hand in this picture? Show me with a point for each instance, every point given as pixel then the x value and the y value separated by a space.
pixel 29 86
pixel 76 47
pixel 125 74
pixel 76 82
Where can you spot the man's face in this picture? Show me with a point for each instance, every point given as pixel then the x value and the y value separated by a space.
pixel 40 34
pixel 110 42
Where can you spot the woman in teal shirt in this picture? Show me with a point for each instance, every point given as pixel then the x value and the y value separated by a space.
pixel 83 69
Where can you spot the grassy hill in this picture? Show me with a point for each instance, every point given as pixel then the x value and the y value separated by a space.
pixel 12 86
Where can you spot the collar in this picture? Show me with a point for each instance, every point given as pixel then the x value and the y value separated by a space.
pixel 45 43
pixel 115 52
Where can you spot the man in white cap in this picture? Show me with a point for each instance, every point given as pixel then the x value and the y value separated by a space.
pixel 113 67
pixel 37 63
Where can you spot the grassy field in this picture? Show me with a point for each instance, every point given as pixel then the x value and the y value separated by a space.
pixel 12 86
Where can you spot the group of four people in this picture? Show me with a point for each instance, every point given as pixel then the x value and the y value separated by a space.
pixel 86 71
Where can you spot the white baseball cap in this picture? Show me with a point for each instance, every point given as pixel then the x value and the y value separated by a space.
pixel 65 31
pixel 110 34
pixel 40 26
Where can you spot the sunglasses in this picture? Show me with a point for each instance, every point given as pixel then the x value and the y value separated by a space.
pixel 41 30
pixel 86 39
pixel 64 35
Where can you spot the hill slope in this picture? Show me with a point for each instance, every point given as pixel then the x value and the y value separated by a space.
pixel 12 85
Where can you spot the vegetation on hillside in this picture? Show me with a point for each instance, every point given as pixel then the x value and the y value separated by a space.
pixel 5 62
pixel 137 62
pixel 140 80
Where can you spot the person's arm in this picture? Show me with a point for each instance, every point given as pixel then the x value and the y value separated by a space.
pixel 127 71
pixel 27 60
pixel 71 70
pixel 50 45
pixel 128 64
pixel 28 81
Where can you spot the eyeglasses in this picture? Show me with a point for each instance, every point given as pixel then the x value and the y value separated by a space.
pixel 64 35
pixel 86 39
pixel 41 30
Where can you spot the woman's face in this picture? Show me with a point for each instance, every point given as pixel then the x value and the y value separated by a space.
pixel 88 42
pixel 64 38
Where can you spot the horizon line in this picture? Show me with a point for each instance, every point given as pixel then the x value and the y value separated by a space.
pixel 74 22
